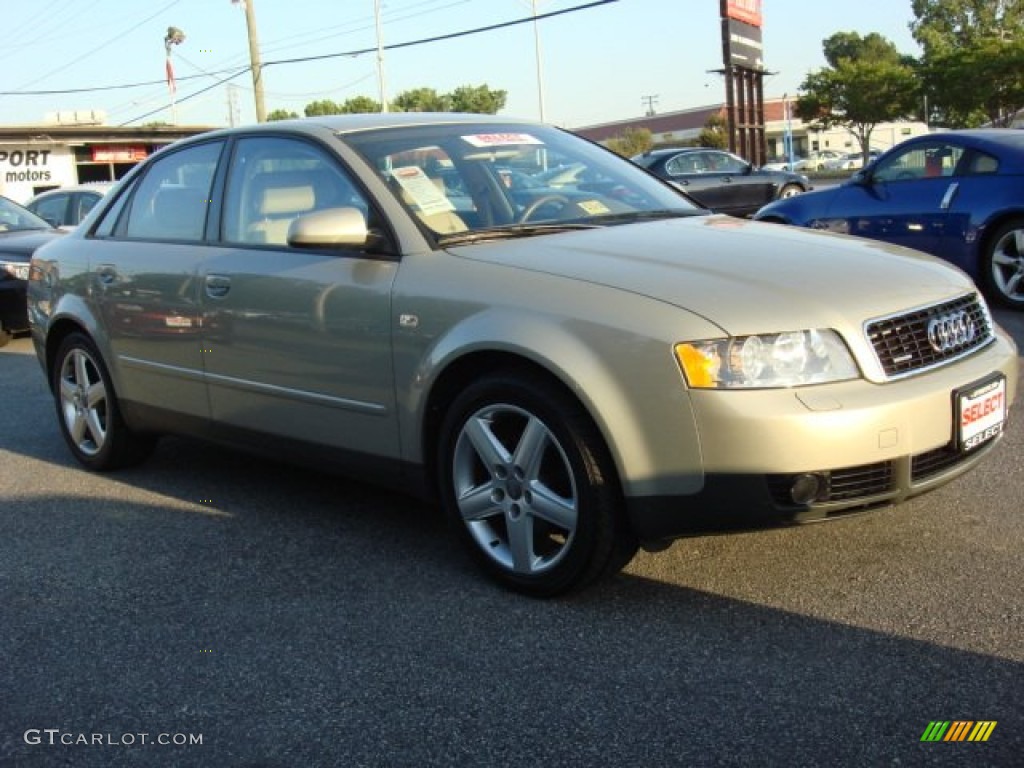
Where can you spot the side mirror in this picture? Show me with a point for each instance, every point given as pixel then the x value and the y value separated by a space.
pixel 861 177
pixel 330 228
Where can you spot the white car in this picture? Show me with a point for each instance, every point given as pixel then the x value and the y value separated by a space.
pixel 852 161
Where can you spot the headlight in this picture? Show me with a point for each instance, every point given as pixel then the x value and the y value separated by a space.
pixel 18 269
pixel 788 359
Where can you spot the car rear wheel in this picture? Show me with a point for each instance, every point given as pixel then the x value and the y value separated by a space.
pixel 88 412
pixel 527 480
pixel 1004 264
pixel 4 336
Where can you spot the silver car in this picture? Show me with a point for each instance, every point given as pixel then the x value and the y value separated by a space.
pixel 572 372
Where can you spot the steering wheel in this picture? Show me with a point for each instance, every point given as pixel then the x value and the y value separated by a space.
pixel 539 203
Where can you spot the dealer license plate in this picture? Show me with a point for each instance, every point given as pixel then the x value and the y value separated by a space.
pixel 980 412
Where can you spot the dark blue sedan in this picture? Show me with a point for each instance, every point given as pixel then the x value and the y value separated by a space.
pixel 958 195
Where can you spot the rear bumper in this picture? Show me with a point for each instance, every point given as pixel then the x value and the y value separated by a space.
pixel 13 312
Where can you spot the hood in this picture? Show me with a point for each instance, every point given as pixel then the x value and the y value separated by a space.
pixel 19 245
pixel 744 276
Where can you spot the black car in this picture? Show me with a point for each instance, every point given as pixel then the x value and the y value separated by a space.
pixel 21 232
pixel 720 180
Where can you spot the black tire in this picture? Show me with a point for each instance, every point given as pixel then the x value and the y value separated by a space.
pixel 4 337
pixel 544 515
pixel 1002 268
pixel 88 412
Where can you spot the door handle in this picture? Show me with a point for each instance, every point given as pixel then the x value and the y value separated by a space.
pixel 217 286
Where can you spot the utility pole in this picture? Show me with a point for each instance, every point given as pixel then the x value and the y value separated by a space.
pixel 650 101
pixel 380 58
pixel 536 46
pixel 254 61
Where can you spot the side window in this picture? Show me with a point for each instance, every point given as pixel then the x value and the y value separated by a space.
pixel 982 164
pixel 273 181
pixel 52 209
pixel 86 202
pixel 684 164
pixel 922 161
pixel 172 200
pixel 722 162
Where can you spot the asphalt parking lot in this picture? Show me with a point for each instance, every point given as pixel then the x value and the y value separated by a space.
pixel 283 617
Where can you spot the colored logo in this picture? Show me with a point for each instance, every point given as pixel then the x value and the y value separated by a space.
pixel 958 730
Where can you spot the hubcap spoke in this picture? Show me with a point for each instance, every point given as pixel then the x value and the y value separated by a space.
pixel 478 503
pixel 488 447
pixel 530 450
pixel 553 508
pixel 95 395
pixel 96 430
pixel 520 541
pixel 77 428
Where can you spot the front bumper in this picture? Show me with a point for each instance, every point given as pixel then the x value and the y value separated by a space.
pixel 864 445
pixel 13 312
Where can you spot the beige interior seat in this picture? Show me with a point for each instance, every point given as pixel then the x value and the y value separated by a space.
pixel 276 208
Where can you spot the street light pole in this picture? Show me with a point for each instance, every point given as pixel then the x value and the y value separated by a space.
pixel 254 61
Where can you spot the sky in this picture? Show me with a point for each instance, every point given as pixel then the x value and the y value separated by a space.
pixel 600 64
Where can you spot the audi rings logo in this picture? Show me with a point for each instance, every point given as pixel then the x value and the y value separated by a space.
pixel 946 332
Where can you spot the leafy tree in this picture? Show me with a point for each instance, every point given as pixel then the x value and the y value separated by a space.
pixel 868 83
pixel 632 141
pixel 973 64
pixel 323 107
pixel 360 105
pixel 715 132
pixel 479 99
pixel 421 100
pixel 281 114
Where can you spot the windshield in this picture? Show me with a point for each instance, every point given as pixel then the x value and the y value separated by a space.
pixel 465 179
pixel 14 218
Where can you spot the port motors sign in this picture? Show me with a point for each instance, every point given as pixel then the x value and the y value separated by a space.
pixel 26 169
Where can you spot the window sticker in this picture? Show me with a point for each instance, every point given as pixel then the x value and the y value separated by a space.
pixel 593 207
pixel 500 139
pixel 420 191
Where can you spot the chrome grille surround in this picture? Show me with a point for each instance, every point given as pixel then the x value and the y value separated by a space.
pixel 915 341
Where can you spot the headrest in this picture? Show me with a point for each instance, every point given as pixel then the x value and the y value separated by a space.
pixel 282 200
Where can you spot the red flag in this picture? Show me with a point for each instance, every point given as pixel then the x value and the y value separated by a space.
pixel 171 85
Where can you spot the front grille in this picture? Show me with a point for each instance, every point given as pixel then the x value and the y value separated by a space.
pixel 902 342
pixel 924 465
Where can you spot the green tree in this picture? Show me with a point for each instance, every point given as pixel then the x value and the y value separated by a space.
pixel 479 99
pixel 632 141
pixel 973 64
pixel 715 132
pixel 358 105
pixel 281 114
pixel 421 100
pixel 323 107
pixel 868 83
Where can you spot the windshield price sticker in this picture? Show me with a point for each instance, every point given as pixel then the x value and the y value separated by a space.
pixel 981 412
pixel 501 139
pixel 421 191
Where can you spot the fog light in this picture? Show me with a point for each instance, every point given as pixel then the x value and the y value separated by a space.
pixel 807 488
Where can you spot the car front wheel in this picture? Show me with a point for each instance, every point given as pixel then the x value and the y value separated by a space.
pixel 527 480
pixel 790 190
pixel 88 412
pixel 1004 264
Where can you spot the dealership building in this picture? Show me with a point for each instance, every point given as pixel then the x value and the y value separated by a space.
pixel 76 148
pixel 683 127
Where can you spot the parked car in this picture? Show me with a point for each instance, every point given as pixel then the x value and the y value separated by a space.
pixel 817 161
pixel 797 163
pixel 958 195
pixel 67 206
pixel 721 181
pixel 851 161
pixel 570 378
pixel 21 232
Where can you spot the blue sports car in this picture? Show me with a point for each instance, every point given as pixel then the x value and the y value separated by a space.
pixel 958 195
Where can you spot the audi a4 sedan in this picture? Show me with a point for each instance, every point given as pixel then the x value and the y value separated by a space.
pixel 569 377
pixel 720 180
pixel 958 195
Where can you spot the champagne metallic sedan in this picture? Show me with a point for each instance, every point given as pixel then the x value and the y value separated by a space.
pixel 572 371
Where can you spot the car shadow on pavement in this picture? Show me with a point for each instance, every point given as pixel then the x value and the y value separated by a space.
pixel 289 634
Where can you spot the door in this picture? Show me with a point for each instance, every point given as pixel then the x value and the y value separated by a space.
pixel 143 271
pixel 297 340
pixel 905 197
